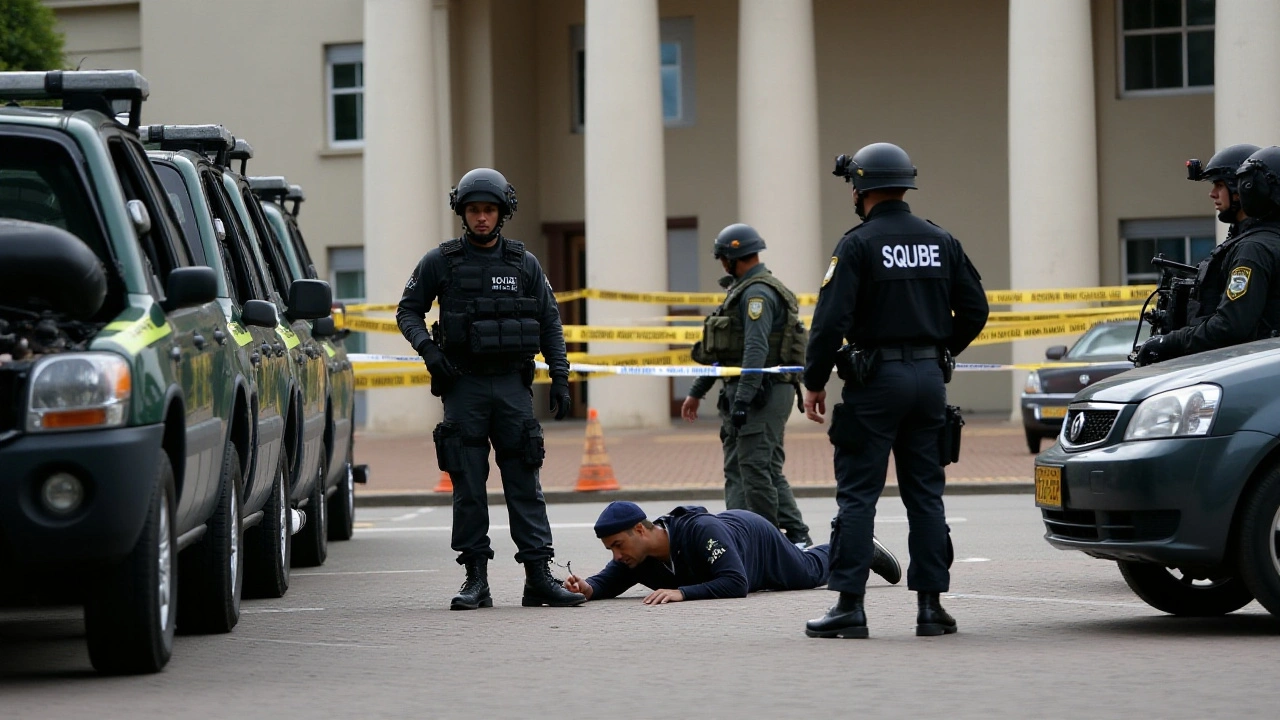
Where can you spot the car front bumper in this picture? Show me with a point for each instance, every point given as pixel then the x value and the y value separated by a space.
pixel 1043 414
pixel 1168 501
pixel 118 471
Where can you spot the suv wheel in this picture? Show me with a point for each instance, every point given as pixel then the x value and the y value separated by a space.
pixel 269 546
pixel 342 504
pixel 1176 593
pixel 313 540
pixel 212 571
pixel 131 610
pixel 1033 440
pixel 1259 542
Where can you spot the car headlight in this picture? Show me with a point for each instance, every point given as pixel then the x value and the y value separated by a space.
pixel 79 391
pixel 1033 383
pixel 1182 412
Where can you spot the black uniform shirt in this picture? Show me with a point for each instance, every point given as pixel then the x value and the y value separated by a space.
pixel 427 282
pixel 894 280
pixel 1248 307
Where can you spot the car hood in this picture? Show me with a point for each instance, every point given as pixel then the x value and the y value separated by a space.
pixel 1074 376
pixel 1213 366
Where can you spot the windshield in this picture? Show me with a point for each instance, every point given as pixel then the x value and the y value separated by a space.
pixel 1110 341
pixel 39 183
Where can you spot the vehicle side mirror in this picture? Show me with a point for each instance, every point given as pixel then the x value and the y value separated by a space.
pixel 309 299
pixel 139 216
pixel 323 327
pixel 189 287
pixel 260 313
pixel 1057 352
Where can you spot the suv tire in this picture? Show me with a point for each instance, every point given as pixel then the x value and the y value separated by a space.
pixel 312 547
pixel 342 504
pixel 1160 588
pixel 1033 440
pixel 1259 542
pixel 269 546
pixel 131 609
pixel 213 571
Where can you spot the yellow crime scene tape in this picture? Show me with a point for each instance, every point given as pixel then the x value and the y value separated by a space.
pixel 1111 293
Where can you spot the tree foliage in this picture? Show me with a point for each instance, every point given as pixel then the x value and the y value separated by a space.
pixel 28 38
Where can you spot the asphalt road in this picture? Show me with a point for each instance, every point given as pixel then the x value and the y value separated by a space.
pixel 1043 633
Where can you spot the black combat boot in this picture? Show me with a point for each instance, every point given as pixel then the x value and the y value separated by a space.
pixel 474 592
pixel 932 619
pixel 799 538
pixel 542 588
pixel 884 564
pixel 845 619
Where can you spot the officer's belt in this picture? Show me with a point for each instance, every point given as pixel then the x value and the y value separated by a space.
pixel 473 366
pixel 909 352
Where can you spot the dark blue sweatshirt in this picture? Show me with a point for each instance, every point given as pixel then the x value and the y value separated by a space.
pixel 715 556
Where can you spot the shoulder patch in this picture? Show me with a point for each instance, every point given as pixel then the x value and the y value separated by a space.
pixel 831 270
pixel 413 281
pixel 1238 282
pixel 755 306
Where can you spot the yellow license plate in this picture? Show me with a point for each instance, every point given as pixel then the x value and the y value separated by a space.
pixel 1048 486
pixel 1052 413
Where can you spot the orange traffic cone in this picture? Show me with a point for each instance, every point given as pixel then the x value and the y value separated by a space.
pixel 445 484
pixel 596 473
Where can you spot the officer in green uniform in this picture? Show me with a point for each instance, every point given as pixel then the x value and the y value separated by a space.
pixel 758 325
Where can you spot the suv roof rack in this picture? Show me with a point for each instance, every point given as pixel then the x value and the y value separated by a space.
pixel 269 187
pixel 214 141
pixel 297 196
pixel 81 90
pixel 242 151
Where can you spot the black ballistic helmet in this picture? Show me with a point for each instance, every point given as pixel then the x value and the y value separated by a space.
pixel 737 241
pixel 1222 166
pixel 1259 183
pixel 483 185
pixel 877 166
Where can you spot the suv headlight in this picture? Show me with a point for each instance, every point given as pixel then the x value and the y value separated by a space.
pixel 1033 383
pixel 79 391
pixel 1182 412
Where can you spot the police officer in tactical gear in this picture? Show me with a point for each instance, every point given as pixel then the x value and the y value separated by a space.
pixel 496 311
pixel 758 325
pixel 890 291
pixel 1237 286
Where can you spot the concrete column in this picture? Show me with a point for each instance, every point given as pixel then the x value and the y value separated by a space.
pixel 625 192
pixel 1245 110
pixel 475 131
pixel 778 168
pixel 449 226
pixel 403 202
pixel 1053 173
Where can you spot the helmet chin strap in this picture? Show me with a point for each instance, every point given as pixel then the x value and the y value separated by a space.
pixel 469 234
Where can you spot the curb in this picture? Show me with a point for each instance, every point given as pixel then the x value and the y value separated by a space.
pixel 554 497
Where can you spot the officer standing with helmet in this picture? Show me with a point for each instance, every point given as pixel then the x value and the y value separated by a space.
pixel 1238 285
pixel 496 312
pixel 891 289
pixel 758 325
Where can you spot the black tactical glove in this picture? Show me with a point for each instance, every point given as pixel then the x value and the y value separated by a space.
pixel 739 414
pixel 561 402
pixel 443 374
pixel 1150 352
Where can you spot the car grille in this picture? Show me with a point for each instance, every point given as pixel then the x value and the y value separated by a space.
pixel 1098 525
pixel 1097 425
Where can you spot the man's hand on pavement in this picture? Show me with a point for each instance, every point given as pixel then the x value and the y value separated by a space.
pixel 815 405
pixel 573 583
pixel 662 597
pixel 689 410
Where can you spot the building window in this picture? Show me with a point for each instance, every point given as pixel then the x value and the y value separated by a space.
pixel 346 276
pixel 1184 240
pixel 344 75
pixel 675 68
pixel 1166 45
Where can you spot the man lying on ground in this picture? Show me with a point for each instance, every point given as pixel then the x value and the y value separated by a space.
pixel 690 554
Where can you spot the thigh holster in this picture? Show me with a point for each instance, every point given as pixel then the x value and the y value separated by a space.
pixel 448 439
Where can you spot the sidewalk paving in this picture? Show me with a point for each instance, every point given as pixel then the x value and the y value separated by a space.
pixel 679 461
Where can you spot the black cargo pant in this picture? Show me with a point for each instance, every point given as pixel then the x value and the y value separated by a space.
pixel 497 409
pixel 754 456
pixel 903 409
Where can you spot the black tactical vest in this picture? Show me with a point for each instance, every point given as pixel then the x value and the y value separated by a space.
pixel 488 315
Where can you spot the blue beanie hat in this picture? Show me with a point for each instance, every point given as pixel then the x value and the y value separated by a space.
pixel 618 515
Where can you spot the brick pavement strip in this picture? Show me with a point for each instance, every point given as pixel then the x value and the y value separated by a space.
pixel 681 460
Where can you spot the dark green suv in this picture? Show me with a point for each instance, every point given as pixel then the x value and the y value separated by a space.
pixel 190 164
pixel 275 192
pixel 124 412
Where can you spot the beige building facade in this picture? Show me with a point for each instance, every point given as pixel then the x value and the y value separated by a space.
pixel 1049 135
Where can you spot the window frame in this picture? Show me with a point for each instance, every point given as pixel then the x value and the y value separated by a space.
pixel 343 54
pixel 1181 31
pixel 1186 228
